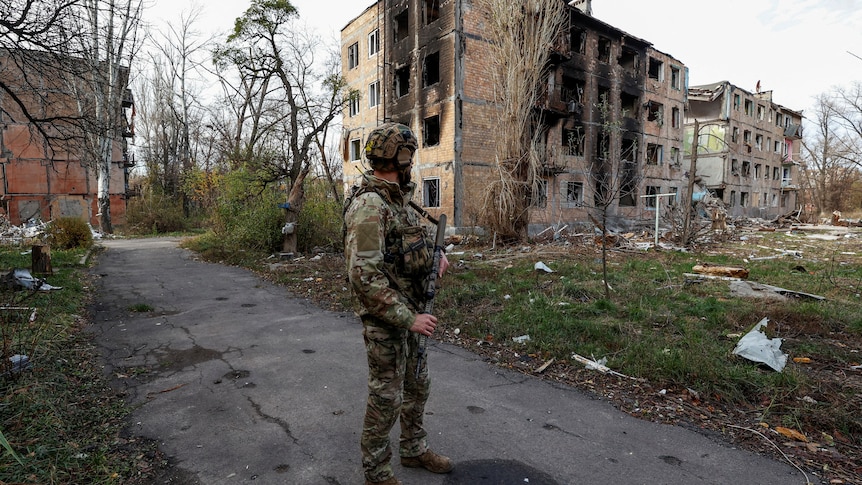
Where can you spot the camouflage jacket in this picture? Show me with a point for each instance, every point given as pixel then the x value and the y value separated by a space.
pixel 388 251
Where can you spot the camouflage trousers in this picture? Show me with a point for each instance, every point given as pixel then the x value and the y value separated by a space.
pixel 393 392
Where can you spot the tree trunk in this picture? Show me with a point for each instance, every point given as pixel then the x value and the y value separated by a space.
pixel 295 201
pixel 41 260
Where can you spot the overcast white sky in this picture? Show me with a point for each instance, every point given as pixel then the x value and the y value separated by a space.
pixel 798 49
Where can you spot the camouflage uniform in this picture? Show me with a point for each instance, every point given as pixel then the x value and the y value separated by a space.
pixel 388 256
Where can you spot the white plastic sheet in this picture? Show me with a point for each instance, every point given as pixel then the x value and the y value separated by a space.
pixel 756 347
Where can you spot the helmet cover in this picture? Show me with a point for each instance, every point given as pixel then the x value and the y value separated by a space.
pixel 390 142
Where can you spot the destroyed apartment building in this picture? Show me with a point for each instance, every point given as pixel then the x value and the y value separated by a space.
pixel 45 172
pixel 425 63
pixel 747 149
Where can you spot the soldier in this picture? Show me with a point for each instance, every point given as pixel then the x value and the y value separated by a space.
pixel 388 257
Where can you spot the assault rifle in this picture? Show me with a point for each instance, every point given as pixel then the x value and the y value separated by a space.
pixel 431 286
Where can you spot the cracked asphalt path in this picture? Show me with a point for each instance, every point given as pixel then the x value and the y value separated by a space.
pixel 241 382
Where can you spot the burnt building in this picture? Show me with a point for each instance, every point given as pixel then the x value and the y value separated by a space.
pixel 426 63
pixel 42 178
pixel 747 149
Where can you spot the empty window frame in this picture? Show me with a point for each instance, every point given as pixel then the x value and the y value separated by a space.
pixel 431 69
pixel 431 11
pixel 399 26
pixel 573 141
pixel 629 59
pixel 629 185
pixel 734 137
pixel 604 50
pixel 651 190
pixel 655 112
pixel 757 170
pixel 654 154
pixel 746 168
pixel 675 118
pixel 776 173
pixel 749 107
pixel 758 142
pixel 353 55
pixel 732 198
pixel 761 112
pixel 373 42
pixel 743 199
pixel 374 94
pixel 355 149
pixel 578 41
pixel 402 81
pixel 656 69
pixel 573 194
pixel 431 192
pixel 675 77
pixel 736 101
pixel 629 104
pixel 431 131
pixel 734 167
pixel 674 156
pixel 572 91
pixel 353 106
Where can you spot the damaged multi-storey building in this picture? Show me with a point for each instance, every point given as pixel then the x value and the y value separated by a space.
pixel 43 172
pixel 425 63
pixel 747 149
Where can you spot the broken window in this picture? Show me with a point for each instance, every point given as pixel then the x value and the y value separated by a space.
pixel 734 137
pixel 431 131
pixel 431 69
pixel 400 23
pixel 761 112
pixel 656 69
pixel 402 81
pixel 766 172
pixel 675 78
pixel 373 42
pixel 777 147
pixel 736 102
pixel 572 91
pixel 776 174
pixel 353 55
pixel 749 107
pixel 578 41
pixel 431 12
pixel 746 168
pixel 573 141
pixel 604 52
pixel 732 198
pixel 757 170
pixel 743 199
pixel 374 94
pixel 651 192
pixel 355 149
pixel 654 154
pixel 675 117
pixel 574 194
pixel 431 192
pixel 629 184
pixel 655 112
pixel 758 142
pixel 674 156
pixel 629 104
pixel 629 60
pixel 734 167
pixel 746 138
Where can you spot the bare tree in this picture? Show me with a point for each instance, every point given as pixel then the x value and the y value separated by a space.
pixel 832 152
pixel 287 101
pixel 520 36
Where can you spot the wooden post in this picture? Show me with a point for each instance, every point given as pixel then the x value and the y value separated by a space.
pixel 41 260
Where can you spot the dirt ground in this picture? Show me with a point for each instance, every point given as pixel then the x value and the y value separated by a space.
pixel 831 458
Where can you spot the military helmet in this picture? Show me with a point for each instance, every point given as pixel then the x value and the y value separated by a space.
pixel 390 142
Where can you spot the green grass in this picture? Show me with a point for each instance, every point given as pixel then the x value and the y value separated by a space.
pixel 59 421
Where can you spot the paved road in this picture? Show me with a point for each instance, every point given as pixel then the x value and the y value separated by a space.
pixel 242 383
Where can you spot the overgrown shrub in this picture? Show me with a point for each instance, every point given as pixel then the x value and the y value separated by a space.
pixel 320 220
pixel 246 216
pixel 155 213
pixel 69 233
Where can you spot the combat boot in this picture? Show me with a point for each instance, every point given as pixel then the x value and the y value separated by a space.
pixel 430 461
pixel 389 481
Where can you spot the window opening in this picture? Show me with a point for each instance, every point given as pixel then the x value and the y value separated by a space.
pixel 654 154
pixel 656 70
pixel 431 131
pixel 431 192
pixel 373 42
pixel 604 52
pixel 353 55
pixel 401 22
pixel 402 81
pixel 574 194
pixel 431 69
pixel 355 149
pixel 431 11
pixel 374 94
